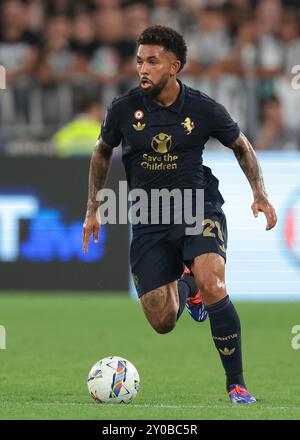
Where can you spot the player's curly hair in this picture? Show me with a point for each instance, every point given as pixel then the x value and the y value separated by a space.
pixel 166 37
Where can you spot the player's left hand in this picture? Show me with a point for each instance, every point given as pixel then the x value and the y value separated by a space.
pixel 262 204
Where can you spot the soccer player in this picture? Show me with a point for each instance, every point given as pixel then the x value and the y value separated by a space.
pixel 163 126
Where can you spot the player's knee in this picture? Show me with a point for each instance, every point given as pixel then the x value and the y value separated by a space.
pixel 213 288
pixel 164 328
pixel 166 325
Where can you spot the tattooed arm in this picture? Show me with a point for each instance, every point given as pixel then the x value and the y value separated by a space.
pixel 99 166
pixel 248 162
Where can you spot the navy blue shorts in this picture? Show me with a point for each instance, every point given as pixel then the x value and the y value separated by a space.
pixel 158 253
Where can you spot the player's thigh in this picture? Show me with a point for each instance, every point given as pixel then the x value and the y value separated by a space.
pixel 161 307
pixel 205 254
pixel 209 273
pixel 211 240
pixel 155 261
pixel 213 237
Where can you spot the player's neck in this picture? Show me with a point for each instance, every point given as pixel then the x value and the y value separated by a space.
pixel 169 94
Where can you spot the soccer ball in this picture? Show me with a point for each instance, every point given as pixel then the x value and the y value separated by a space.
pixel 113 380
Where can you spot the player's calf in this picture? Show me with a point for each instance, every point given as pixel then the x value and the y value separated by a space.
pixel 225 325
pixel 161 307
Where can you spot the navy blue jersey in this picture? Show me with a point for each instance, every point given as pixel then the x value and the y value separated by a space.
pixel 162 146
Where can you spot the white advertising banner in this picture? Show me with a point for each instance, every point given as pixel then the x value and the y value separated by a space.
pixel 261 265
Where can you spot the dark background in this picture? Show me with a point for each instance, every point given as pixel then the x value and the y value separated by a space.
pixel 62 184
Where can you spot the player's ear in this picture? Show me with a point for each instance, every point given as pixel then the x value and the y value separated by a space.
pixel 175 67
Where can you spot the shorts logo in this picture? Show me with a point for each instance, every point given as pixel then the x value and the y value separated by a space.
pixel 161 143
pixel 188 125
pixel 138 114
pixel 136 280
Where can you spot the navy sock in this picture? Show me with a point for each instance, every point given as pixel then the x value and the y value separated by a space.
pixel 226 332
pixel 184 290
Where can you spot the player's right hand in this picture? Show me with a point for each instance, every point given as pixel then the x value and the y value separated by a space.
pixel 91 226
pixel 262 204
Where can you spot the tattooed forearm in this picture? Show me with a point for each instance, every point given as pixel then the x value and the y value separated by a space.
pixel 99 166
pixel 248 162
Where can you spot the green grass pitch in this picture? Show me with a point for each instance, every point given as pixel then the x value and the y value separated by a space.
pixel 54 339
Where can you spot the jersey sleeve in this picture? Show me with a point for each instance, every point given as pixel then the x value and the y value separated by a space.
pixel 110 131
pixel 224 128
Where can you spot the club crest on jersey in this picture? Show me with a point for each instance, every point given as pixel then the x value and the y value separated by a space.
pixel 139 114
pixel 139 126
pixel 188 125
pixel 161 143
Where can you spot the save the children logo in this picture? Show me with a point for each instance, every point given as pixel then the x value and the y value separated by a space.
pixel 161 143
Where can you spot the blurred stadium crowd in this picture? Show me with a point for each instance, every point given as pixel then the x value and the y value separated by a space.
pixel 65 60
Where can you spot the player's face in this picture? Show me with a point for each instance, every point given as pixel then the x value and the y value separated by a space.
pixel 155 67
